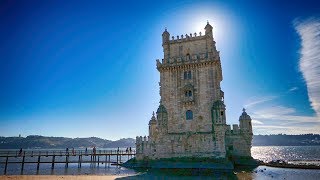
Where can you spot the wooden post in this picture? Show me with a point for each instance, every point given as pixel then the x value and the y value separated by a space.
pixel 38 165
pixel 109 160
pixel 105 163
pixel 117 158
pixel 67 160
pixel 98 160
pixel 53 159
pixel 22 163
pixel 5 167
pixel 31 153
pixel 120 158
pixel 80 159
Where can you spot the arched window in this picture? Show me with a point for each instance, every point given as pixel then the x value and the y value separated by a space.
pixel 185 75
pixel 188 93
pixel 189 115
pixel 189 74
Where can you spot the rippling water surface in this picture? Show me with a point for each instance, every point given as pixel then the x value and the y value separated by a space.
pixel 291 154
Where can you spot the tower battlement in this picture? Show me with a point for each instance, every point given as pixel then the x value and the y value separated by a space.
pixel 187 37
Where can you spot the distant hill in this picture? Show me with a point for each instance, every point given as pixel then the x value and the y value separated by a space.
pixel 286 140
pixel 34 141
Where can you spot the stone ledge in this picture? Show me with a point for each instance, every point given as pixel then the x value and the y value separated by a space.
pixel 181 163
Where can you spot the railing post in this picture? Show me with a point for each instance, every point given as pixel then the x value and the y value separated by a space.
pixel 79 162
pixel 105 163
pixel 38 165
pixel 5 167
pixel 22 163
pixel 109 160
pixel 117 158
pixel 53 161
pixel 67 160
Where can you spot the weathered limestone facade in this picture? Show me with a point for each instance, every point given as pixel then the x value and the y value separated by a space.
pixel 191 118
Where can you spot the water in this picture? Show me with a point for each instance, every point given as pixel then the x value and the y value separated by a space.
pixel 293 154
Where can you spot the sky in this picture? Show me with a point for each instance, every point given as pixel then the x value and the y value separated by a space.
pixel 88 68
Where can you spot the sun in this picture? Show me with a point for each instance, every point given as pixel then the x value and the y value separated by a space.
pixel 198 26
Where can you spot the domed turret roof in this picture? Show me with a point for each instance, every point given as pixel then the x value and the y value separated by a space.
pixel 165 32
pixel 208 26
pixel 244 115
pixel 153 119
pixel 161 109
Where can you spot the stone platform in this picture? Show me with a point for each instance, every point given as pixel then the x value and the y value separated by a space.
pixel 191 163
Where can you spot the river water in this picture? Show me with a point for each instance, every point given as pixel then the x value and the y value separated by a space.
pixel 294 154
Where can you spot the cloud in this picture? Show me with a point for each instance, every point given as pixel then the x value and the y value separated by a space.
pixel 309 63
pixel 258 100
pixel 293 89
pixel 256 122
pixel 281 119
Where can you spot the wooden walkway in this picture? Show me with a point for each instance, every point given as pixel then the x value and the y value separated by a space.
pixel 101 156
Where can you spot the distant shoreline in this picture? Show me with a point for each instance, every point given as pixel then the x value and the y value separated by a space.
pixel 44 142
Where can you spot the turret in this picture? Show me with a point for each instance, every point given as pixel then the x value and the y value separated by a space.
pixel 209 36
pixel 218 112
pixel 165 36
pixel 152 125
pixel 166 44
pixel 245 122
pixel 162 117
pixel 208 29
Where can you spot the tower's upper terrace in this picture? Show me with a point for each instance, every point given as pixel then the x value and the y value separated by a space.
pixel 188 48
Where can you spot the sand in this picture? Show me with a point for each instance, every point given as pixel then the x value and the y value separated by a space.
pixel 52 177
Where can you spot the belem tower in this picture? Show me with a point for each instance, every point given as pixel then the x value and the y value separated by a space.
pixel 191 118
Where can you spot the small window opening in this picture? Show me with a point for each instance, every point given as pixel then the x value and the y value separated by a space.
pixel 189 74
pixel 189 115
pixel 188 93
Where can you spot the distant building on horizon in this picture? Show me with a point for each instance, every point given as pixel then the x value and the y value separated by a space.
pixel 191 118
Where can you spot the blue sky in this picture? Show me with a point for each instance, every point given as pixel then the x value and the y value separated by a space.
pixel 87 68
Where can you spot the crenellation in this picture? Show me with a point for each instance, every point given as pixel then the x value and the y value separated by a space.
pixel 186 37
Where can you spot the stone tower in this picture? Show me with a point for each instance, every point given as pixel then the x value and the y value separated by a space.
pixel 191 118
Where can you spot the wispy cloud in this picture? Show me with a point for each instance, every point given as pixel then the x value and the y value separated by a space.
pixel 293 89
pixel 309 32
pixel 256 122
pixel 281 119
pixel 258 100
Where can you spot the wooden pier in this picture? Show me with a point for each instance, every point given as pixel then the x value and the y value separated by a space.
pixel 99 157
